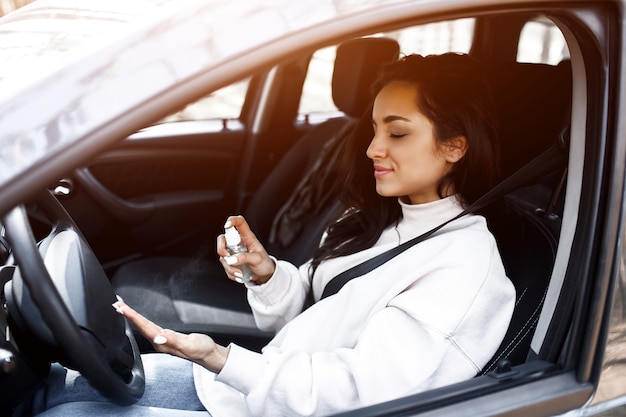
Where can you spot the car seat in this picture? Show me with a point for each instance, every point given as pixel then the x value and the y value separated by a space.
pixel 193 294
pixel 534 109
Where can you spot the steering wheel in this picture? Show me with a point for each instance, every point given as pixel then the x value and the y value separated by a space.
pixel 61 298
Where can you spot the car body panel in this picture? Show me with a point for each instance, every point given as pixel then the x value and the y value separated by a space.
pixel 61 116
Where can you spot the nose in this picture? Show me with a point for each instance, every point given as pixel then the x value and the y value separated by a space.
pixel 376 149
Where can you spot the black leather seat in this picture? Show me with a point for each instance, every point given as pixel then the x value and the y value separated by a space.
pixel 534 104
pixel 193 294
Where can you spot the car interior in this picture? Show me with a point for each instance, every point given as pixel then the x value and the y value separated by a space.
pixel 189 293
pixel 216 303
pixel 152 206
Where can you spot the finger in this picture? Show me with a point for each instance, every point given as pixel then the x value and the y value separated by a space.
pixel 237 259
pixel 232 273
pixel 253 259
pixel 145 326
pixel 166 341
pixel 247 236
pixel 163 340
pixel 221 246
pixel 234 221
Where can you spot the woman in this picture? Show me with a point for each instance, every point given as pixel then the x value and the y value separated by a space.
pixel 431 316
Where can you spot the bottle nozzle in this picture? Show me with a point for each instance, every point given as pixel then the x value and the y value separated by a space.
pixel 232 236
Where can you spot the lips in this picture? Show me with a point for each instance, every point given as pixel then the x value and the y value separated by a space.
pixel 381 171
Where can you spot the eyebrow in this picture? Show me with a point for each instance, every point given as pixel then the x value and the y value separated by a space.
pixel 393 118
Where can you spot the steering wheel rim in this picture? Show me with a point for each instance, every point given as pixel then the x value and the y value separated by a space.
pixel 80 344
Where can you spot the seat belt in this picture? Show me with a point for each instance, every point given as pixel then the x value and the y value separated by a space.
pixel 551 158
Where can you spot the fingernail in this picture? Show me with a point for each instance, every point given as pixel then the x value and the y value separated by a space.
pixel 118 308
pixel 238 280
pixel 119 298
pixel 230 260
pixel 227 224
pixel 159 340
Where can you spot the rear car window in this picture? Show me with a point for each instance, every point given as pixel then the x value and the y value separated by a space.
pixel 541 42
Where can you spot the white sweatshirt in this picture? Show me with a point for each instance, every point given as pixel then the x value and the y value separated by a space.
pixel 431 316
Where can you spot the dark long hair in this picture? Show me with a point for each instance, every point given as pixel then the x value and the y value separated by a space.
pixel 455 96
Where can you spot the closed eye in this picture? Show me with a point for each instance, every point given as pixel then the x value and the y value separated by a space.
pixel 397 135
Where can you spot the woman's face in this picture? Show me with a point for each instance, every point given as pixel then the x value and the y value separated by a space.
pixel 408 162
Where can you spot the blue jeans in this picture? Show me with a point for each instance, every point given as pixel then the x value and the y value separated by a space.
pixel 170 391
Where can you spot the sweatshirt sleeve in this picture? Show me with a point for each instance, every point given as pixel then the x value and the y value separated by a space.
pixel 281 298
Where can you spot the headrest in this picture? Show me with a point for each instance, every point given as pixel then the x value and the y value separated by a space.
pixel 533 104
pixel 357 64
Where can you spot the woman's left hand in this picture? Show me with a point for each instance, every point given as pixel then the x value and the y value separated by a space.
pixel 198 348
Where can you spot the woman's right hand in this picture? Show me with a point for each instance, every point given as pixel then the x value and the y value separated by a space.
pixel 261 265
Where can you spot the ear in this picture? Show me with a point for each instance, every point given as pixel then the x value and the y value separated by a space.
pixel 455 149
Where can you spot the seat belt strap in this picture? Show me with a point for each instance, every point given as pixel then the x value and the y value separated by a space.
pixel 547 161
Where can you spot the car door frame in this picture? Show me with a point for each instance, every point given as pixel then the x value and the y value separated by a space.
pixel 564 375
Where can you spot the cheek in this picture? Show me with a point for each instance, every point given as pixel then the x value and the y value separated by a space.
pixel 421 164
pixel 415 155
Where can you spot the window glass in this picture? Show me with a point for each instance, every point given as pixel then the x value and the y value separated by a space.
pixel 225 103
pixel 316 91
pixel 436 38
pixel 541 42
pixel 432 38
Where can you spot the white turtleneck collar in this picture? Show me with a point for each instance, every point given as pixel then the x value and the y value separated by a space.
pixel 420 218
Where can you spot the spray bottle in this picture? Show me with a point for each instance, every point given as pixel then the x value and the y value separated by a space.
pixel 233 246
